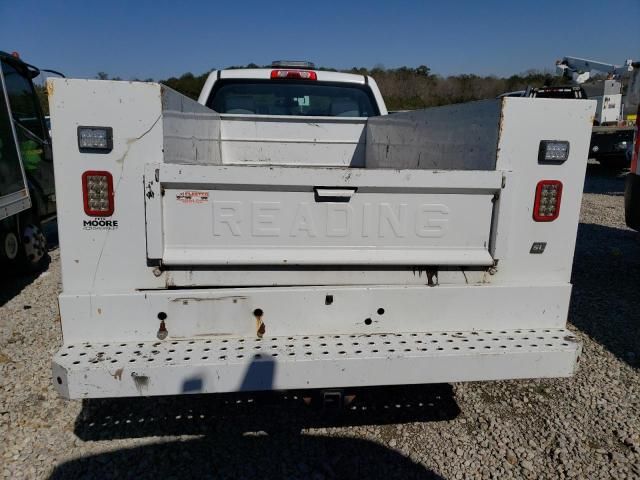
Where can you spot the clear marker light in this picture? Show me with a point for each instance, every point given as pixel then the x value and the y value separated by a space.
pixel 553 151
pixel 95 138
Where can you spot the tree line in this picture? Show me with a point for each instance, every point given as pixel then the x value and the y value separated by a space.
pixel 408 88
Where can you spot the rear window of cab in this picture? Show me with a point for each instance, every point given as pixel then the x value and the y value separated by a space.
pixel 292 97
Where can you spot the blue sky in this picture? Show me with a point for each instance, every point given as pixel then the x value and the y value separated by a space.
pixel 159 39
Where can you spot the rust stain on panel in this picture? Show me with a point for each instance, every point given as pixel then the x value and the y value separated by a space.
pixel 162 331
pixel 141 381
pixel 260 326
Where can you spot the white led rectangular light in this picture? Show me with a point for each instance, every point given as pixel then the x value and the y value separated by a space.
pixel 95 139
pixel 553 151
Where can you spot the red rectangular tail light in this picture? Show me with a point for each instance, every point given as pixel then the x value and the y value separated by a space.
pixel 546 207
pixel 296 74
pixel 97 192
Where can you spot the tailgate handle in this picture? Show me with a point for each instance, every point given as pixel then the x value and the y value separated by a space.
pixel 333 194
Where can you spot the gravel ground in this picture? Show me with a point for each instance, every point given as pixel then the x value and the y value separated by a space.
pixel 584 427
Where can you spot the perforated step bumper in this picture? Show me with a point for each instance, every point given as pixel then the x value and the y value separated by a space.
pixel 209 365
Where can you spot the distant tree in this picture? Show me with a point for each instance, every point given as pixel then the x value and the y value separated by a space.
pixel 102 76
pixel 423 70
pixel 188 84
pixel 41 91
pixel 359 71
pixel 405 87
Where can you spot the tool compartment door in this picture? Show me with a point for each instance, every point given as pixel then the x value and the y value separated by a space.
pixel 254 215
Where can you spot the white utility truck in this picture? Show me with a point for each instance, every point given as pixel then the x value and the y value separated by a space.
pixel 285 233
pixel 612 134
pixel 610 108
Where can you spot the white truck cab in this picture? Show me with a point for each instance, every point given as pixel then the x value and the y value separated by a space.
pixel 284 233
pixel 299 84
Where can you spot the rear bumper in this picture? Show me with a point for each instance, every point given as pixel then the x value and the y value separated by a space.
pixel 231 364
pixel 632 201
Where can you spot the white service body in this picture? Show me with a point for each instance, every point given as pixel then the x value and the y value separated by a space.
pixel 250 252
pixel 609 109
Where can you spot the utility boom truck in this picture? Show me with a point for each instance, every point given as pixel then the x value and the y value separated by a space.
pixel 285 233
pixel 612 135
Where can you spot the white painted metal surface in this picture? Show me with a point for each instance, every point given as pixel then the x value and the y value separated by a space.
pixel 424 218
pixel 514 230
pixel 453 137
pixel 217 365
pixel 14 203
pixel 609 109
pixel 288 140
pixel 313 310
pixel 169 266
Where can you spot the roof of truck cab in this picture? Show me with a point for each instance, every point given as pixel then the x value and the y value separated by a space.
pixel 265 74
pixel 20 64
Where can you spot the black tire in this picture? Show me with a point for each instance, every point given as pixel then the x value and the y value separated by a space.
pixel 9 245
pixel 632 201
pixel 33 255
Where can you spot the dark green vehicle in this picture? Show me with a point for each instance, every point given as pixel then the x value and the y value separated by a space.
pixel 27 193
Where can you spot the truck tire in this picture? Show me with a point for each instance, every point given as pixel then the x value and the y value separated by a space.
pixel 23 246
pixel 632 201
pixel 33 252
pixel 9 246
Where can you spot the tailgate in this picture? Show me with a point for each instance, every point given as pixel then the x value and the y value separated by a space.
pixel 258 215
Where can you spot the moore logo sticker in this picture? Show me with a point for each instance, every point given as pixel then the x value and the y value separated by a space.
pixel 99 224
pixel 192 196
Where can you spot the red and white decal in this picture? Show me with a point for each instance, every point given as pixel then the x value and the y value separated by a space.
pixel 193 197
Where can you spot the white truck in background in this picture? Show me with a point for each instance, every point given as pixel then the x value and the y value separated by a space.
pixel 612 134
pixel 285 233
